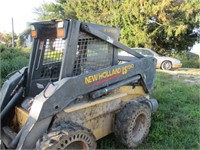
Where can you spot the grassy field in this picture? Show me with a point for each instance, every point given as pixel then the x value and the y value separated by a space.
pixel 176 123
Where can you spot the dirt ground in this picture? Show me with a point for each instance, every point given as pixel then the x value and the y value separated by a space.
pixel 187 75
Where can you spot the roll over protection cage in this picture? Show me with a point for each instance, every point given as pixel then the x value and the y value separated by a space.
pixel 72 29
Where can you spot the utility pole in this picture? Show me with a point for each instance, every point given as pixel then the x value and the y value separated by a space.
pixel 13 42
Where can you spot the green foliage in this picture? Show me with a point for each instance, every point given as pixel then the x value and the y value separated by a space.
pixel 188 61
pixel 51 11
pixel 12 59
pixel 155 24
pixel 2 47
pixel 175 125
pixel 7 39
pixel 19 41
pixel 53 56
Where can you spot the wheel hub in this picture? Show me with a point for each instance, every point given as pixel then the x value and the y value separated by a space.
pixel 78 141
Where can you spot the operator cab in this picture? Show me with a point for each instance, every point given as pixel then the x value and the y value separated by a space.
pixel 55 56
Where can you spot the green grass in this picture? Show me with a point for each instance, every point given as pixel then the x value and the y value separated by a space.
pixel 176 124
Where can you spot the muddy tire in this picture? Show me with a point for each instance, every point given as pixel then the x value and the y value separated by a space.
pixel 133 123
pixel 67 135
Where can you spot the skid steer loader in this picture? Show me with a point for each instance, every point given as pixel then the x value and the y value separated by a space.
pixel 76 90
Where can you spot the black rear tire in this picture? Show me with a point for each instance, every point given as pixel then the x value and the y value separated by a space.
pixel 67 135
pixel 133 123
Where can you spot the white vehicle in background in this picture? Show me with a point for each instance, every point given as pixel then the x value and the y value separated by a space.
pixel 163 62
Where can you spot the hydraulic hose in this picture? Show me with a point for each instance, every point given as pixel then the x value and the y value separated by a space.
pixel 103 91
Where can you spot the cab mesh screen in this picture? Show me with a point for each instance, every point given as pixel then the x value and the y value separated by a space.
pixel 92 54
pixel 53 54
pixel 53 50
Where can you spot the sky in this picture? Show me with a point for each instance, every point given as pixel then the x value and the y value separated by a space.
pixel 196 49
pixel 22 12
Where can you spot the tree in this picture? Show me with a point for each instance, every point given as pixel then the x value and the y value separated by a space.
pixel 51 10
pixel 162 25
pixel 6 39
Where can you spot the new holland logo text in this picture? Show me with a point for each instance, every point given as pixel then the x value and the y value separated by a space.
pixel 108 75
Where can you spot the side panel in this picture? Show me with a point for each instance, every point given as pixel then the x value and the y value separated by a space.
pixel 99 115
pixel 57 98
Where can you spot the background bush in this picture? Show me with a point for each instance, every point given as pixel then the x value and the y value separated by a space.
pixel 188 60
pixel 12 59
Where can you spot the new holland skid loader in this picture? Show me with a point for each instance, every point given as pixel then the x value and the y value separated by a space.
pixel 76 90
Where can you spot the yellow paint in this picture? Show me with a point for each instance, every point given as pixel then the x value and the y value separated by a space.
pixel 103 75
pixel 96 102
pixel 99 115
pixel 20 117
pixel 132 93
pixel 110 30
pixel 101 126
pixel 137 90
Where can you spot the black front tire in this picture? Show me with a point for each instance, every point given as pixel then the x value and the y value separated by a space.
pixel 68 135
pixel 133 123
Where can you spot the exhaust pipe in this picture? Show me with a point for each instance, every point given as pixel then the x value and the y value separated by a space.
pixel 153 104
